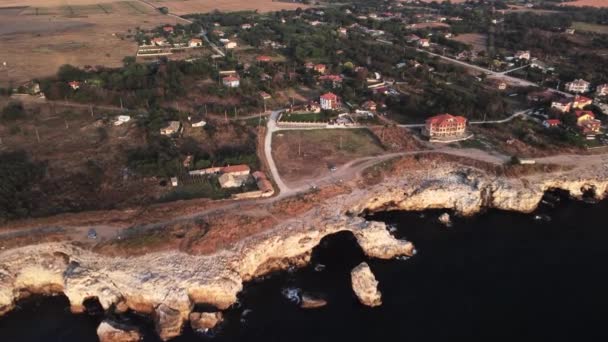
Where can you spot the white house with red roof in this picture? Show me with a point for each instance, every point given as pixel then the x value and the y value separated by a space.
pixel 562 105
pixel 231 81
pixel 445 126
pixel 329 101
pixel 424 42
pixel 195 42
pixel 168 29
pixel 263 59
pixel 552 123
pixel 320 68
pixel 523 55
pixel 74 85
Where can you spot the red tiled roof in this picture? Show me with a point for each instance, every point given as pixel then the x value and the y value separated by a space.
pixel 334 78
pixel 230 79
pixel 440 119
pixel 330 97
pixel 552 122
pixel 580 113
pixel 263 59
pixel 236 168
pixel 580 99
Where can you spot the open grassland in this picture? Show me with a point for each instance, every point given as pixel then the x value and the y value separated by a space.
pixel 181 7
pixel 40 36
pixel 476 40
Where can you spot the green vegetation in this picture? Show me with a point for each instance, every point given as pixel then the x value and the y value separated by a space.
pixel 18 179
pixel 12 112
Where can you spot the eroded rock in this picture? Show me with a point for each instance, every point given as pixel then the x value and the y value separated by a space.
pixel 310 301
pixel 205 320
pixel 365 285
pixel 113 332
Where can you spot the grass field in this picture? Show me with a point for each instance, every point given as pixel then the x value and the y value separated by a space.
pixel 309 153
pixel 181 7
pixel 587 27
pixel 40 36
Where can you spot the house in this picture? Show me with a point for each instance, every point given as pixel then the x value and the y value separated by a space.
pixel 265 96
pixel 237 170
pixel 369 105
pixel 578 86
pixel 263 183
pixel 329 101
pixel 219 33
pixel 246 26
pixel 336 80
pixel 230 45
pixel 320 68
pixel 197 121
pixel 228 180
pixel 309 65
pixel 195 42
pixel 173 127
pixel 231 81
pixel 445 126
pixel 74 85
pixel 412 38
pixel 424 43
pixel 343 31
pixel 174 181
pixel 263 59
pixel 580 102
pixel 523 55
pixel 570 31
pixel 552 123
pixel 122 119
pixel 586 122
pixel 562 105
pixel 602 90
pixel 168 29
pixel 159 41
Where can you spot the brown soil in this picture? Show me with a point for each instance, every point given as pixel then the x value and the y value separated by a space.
pixel 581 3
pixel 309 154
pixel 476 40
pixel 37 40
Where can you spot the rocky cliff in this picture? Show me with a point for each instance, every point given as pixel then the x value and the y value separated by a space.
pixel 365 285
pixel 166 285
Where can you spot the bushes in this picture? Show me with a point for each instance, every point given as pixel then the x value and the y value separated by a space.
pixel 13 111
pixel 18 178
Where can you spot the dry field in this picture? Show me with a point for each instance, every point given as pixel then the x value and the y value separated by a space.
pixel 40 36
pixel 593 3
pixel 319 150
pixel 476 40
pixel 181 7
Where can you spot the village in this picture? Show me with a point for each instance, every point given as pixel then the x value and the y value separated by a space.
pixel 203 93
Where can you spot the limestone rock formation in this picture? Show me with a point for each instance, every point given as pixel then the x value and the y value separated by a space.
pixel 168 322
pixel 310 301
pixel 205 320
pixel 365 285
pixel 113 332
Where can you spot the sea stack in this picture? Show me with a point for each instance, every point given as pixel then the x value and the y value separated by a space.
pixel 112 332
pixel 365 285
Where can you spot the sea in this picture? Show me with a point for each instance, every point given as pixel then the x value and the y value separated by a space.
pixel 497 276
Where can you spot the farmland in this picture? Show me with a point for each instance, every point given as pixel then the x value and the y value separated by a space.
pixel 181 7
pixel 582 3
pixel 40 36
pixel 587 27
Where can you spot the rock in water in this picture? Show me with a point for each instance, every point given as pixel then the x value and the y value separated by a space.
pixel 445 219
pixel 312 302
pixel 113 332
pixel 205 320
pixel 365 285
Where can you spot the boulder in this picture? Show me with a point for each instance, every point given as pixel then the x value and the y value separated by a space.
pixel 114 332
pixel 205 320
pixel 168 322
pixel 310 301
pixel 365 285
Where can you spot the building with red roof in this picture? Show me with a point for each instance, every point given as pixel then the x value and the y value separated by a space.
pixel 231 81
pixel 581 102
pixel 562 105
pixel 551 123
pixel 263 59
pixel 241 169
pixel 329 101
pixel 320 68
pixel 445 126
pixel 74 84
pixel 168 29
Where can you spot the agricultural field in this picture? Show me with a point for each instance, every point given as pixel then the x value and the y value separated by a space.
pixel 582 3
pixel 306 154
pixel 181 7
pixel 588 27
pixel 39 36
pixel 476 40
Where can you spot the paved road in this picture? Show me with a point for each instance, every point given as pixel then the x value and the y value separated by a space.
pixel 496 74
pixel 271 127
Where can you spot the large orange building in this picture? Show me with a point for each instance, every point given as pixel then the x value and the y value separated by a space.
pixel 445 126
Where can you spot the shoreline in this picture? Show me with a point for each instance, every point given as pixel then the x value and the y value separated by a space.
pixel 167 285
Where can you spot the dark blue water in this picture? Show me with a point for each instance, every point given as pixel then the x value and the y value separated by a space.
pixel 497 276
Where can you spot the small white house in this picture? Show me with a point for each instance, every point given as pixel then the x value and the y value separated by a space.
pixel 231 82
pixel 121 119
